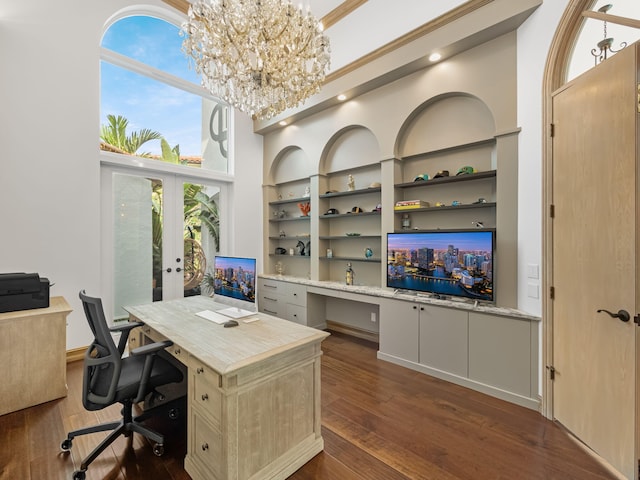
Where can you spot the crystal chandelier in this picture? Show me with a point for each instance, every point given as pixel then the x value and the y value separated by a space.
pixel 260 56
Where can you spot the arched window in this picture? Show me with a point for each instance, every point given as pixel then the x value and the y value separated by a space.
pixel 151 102
pixel 165 164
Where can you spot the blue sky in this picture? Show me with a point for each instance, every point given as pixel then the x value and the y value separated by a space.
pixel 465 241
pixel 147 103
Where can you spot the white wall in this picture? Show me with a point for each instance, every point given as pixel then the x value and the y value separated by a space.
pixel 49 170
pixel 534 39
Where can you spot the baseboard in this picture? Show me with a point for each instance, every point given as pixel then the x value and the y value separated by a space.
pixel 76 354
pixel 353 331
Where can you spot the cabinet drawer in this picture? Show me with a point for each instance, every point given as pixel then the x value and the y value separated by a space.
pixel 206 395
pixel 206 445
pixel 296 294
pixel 297 314
pixel 269 287
pixel 270 305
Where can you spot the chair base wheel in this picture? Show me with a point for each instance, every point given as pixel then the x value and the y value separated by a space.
pixel 158 449
pixel 79 475
pixel 66 445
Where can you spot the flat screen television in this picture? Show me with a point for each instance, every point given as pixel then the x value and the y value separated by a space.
pixel 443 263
pixel 235 281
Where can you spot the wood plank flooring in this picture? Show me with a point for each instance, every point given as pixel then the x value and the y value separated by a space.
pixel 380 422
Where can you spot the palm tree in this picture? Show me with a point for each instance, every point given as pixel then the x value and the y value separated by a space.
pixel 115 133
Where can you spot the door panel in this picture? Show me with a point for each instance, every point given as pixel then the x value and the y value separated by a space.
pixel 161 232
pixel 594 258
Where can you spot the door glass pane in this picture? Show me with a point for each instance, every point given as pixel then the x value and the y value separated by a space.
pixel 201 235
pixel 137 216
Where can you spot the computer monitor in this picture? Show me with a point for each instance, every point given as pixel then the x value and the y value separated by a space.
pixel 235 281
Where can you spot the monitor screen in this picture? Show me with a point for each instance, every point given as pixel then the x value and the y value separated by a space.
pixel 235 280
pixel 443 263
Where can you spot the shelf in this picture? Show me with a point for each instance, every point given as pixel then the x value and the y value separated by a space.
pixel 446 207
pixel 352 192
pixel 443 180
pixel 291 237
pixel 455 148
pixel 289 256
pixel 290 200
pixel 352 259
pixel 351 215
pixel 288 219
pixel 340 237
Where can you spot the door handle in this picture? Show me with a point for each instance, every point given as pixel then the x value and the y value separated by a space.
pixel 623 315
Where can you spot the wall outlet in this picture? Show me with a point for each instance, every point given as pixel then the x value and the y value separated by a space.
pixel 374 317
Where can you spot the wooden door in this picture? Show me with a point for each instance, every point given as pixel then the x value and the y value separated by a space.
pixel 595 258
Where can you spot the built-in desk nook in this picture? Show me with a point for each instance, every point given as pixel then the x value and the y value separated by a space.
pixel 490 349
pixel 253 390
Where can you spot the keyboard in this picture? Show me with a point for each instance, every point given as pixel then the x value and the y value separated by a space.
pixel 213 316
pixel 235 312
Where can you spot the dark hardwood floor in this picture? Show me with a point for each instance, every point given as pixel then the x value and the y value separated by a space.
pixel 380 422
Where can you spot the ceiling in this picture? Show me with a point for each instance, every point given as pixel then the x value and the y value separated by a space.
pixel 358 27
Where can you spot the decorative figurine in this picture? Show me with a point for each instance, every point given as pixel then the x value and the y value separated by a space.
pixel 308 248
pixel 305 208
pixel 279 268
pixel 282 234
pixel 300 247
pixel 349 274
pixel 307 191
pixel 406 221
pixel 368 252
pixel 351 183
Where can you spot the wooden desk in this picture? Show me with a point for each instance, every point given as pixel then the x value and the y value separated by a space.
pixel 33 346
pixel 254 390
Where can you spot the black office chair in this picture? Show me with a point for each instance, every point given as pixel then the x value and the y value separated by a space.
pixel 109 378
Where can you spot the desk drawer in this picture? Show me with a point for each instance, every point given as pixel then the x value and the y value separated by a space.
pixel 270 305
pixel 206 394
pixel 269 287
pixel 296 294
pixel 206 446
pixel 297 314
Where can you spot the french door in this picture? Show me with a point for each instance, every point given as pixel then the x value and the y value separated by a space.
pixel 160 233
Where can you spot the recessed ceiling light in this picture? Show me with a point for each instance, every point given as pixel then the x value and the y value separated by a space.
pixel 434 57
pixel 282 123
pixel 342 97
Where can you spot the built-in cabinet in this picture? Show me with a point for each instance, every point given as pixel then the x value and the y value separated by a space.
pixel 489 349
pixel 492 353
pixel 289 301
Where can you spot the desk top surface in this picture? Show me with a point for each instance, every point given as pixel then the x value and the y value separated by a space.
pixel 223 349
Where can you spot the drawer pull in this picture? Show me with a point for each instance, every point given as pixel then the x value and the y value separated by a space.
pixel 199 370
pixel 269 286
pixel 177 351
pixel 269 311
pixel 295 294
pixel 272 299
pixel 205 397
pixel 205 447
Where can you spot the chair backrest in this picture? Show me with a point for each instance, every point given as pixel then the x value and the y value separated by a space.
pixel 102 360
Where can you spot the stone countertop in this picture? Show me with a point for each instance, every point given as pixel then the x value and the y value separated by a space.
pixel 381 292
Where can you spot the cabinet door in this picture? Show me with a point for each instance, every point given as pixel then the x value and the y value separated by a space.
pixel 500 352
pixel 399 329
pixel 444 339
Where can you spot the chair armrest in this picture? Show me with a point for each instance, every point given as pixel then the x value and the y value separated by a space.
pixel 151 348
pixel 125 328
pixel 149 352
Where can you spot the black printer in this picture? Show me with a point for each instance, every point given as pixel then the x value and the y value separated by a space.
pixel 23 291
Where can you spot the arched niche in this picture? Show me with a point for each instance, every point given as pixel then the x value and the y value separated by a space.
pixel 354 146
pixel 444 121
pixel 291 164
